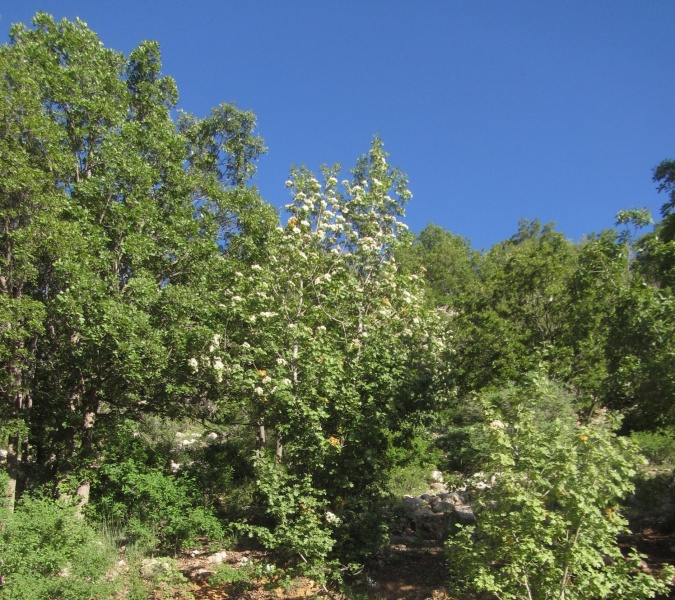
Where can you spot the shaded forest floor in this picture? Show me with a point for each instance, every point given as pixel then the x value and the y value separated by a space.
pixel 403 573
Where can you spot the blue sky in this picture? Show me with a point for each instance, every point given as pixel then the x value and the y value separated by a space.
pixel 496 110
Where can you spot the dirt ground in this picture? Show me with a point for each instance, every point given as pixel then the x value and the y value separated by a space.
pixel 404 573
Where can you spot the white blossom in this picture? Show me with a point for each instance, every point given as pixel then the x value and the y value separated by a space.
pixel 333 518
pixel 256 267
pixel 258 390
pixel 194 365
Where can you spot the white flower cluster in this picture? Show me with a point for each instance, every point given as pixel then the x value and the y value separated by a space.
pixel 333 518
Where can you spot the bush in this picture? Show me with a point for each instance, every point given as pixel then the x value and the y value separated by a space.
pixel 413 464
pixel 49 553
pixel 657 446
pixel 547 524
pixel 465 442
pixel 157 510
pixel 296 513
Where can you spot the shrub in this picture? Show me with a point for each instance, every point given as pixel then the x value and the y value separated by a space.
pixel 547 526
pixel 49 553
pixel 157 510
pixel 657 446
pixel 298 526
pixel 465 442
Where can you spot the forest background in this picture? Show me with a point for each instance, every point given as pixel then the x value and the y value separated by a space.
pixel 184 364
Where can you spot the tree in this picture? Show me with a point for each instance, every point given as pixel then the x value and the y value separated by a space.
pixel 330 352
pixel 112 216
pixel 664 174
pixel 449 263
pixel 516 313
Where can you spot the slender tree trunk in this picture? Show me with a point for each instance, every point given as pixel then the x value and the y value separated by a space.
pixel 261 437
pixel 13 461
pixel 280 450
pixel 16 448
pixel 82 493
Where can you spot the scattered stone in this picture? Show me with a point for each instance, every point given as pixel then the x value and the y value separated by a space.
pixel 465 514
pixel 437 476
pixel 443 507
pixel 453 497
pixel 413 503
pixel 438 487
pixel 430 525
pixel 151 567
pixel 200 575
pixel 217 558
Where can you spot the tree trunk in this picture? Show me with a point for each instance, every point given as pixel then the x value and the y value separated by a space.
pixel 280 450
pixel 13 460
pixel 82 497
pixel 261 437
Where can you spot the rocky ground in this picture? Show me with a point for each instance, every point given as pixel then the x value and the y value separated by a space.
pixel 414 568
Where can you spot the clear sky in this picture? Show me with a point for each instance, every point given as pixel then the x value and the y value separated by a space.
pixel 497 111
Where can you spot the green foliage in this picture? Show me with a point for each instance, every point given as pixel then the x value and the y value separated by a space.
pixel 111 217
pixel 664 174
pixel 327 347
pixel 516 312
pixel 48 553
pixel 237 578
pixel 160 511
pixel 641 357
pixel 548 521
pixel 657 446
pixel 413 465
pixel 300 525
pixel 466 442
pixel 448 264
pixel 144 289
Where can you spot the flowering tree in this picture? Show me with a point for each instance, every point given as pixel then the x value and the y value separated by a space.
pixel 327 348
